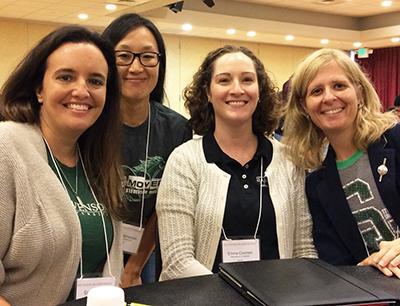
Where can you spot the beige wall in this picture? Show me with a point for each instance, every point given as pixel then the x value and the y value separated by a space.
pixel 184 54
pixel 16 38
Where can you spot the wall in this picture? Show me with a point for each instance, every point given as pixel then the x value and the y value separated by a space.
pixel 184 55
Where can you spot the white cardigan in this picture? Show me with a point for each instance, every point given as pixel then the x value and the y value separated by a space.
pixel 191 204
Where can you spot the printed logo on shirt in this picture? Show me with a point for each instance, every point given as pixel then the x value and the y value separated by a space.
pixel 360 189
pixel 134 181
pixel 89 209
pixel 263 180
pixel 374 224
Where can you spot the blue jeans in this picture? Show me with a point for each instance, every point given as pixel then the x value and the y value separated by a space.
pixel 149 271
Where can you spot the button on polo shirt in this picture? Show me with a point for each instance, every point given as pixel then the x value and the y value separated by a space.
pixel 242 203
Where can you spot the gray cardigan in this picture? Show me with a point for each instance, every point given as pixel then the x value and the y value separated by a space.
pixel 191 204
pixel 40 240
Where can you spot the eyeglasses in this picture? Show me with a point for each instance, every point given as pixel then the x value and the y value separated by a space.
pixel 147 59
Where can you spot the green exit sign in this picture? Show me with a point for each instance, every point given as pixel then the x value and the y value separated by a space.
pixel 362 53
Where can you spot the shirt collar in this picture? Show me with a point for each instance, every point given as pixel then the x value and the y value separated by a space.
pixel 214 153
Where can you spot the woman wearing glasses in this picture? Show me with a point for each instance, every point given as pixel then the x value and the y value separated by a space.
pixel 150 132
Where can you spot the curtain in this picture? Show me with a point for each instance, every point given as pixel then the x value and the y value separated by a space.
pixel 383 69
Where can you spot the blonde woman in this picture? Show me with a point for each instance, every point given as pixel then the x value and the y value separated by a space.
pixel 354 194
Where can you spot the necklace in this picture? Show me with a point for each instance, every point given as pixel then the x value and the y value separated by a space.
pixel 60 175
pixel 64 178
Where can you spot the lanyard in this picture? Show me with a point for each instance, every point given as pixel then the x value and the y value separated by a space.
pixel 260 201
pixel 145 169
pixel 95 198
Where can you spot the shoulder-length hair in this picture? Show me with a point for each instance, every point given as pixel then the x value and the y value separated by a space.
pixel 100 154
pixel 123 25
pixel 303 138
pixel 202 121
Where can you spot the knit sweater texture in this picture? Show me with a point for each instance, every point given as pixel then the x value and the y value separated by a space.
pixel 41 236
pixel 191 203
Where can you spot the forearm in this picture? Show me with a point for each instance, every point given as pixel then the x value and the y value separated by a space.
pixel 137 261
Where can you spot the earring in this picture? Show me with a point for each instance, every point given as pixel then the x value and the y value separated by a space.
pixel 306 115
pixel 39 98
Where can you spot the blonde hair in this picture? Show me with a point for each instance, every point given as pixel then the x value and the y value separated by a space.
pixel 304 140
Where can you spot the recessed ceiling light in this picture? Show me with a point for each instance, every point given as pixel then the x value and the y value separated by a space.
pixel 324 41
pixel 289 37
pixel 386 3
pixel 83 16
pixel 110 7
pixel 251 34
pixel 187 27
pixel 231 31
pixel 395 39
pixel 357 44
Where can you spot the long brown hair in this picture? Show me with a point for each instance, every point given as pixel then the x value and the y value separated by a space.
pixel 99 144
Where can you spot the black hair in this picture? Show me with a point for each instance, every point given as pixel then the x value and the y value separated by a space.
pixel 123 25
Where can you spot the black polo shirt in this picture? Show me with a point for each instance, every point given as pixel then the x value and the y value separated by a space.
pixel 243 199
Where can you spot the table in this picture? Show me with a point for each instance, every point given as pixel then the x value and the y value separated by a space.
pixel 213 290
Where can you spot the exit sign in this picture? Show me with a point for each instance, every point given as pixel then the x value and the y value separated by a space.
pixel 363 53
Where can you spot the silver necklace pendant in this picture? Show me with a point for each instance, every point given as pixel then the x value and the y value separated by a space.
pixel 382 170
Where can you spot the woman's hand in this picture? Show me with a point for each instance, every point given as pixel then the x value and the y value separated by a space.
pixel 387 259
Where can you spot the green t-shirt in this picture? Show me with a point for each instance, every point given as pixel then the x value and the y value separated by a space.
pixel 93 242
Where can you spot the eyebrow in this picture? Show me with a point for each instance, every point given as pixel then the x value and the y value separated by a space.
pixel 69 70
pixel 64 70
pixel 242 73
pixel 146 47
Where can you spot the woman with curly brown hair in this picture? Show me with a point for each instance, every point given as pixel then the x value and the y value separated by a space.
pixel 231 185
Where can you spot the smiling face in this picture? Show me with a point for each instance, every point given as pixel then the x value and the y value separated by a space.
pixel 332 101
pixel 137 81
pixel 73 89
pixel 234 90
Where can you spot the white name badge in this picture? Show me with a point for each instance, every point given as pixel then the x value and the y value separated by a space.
pixel 240 250
pixel 132 235
pixel 83 285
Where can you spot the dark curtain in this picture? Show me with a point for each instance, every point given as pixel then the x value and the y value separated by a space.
pixel 383 69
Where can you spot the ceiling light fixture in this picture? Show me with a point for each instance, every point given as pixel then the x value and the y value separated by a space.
pixel 209 3
pixel 386 3
pixel 289 37
pixel 83 16
pixel 324 41
pixel 110 7
pixel 231 31
pixel 187 27
pixel 251 34
pixel 357 44
pixel 395 39
pixel 176 7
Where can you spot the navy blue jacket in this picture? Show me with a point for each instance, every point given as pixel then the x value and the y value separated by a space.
pixel 335 231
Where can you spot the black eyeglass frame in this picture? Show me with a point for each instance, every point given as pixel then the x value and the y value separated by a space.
pixel 139 56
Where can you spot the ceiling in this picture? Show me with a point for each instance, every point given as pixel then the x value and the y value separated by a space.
pixel 343 22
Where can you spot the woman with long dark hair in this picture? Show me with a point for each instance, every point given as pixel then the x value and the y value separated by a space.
pixel 59 170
